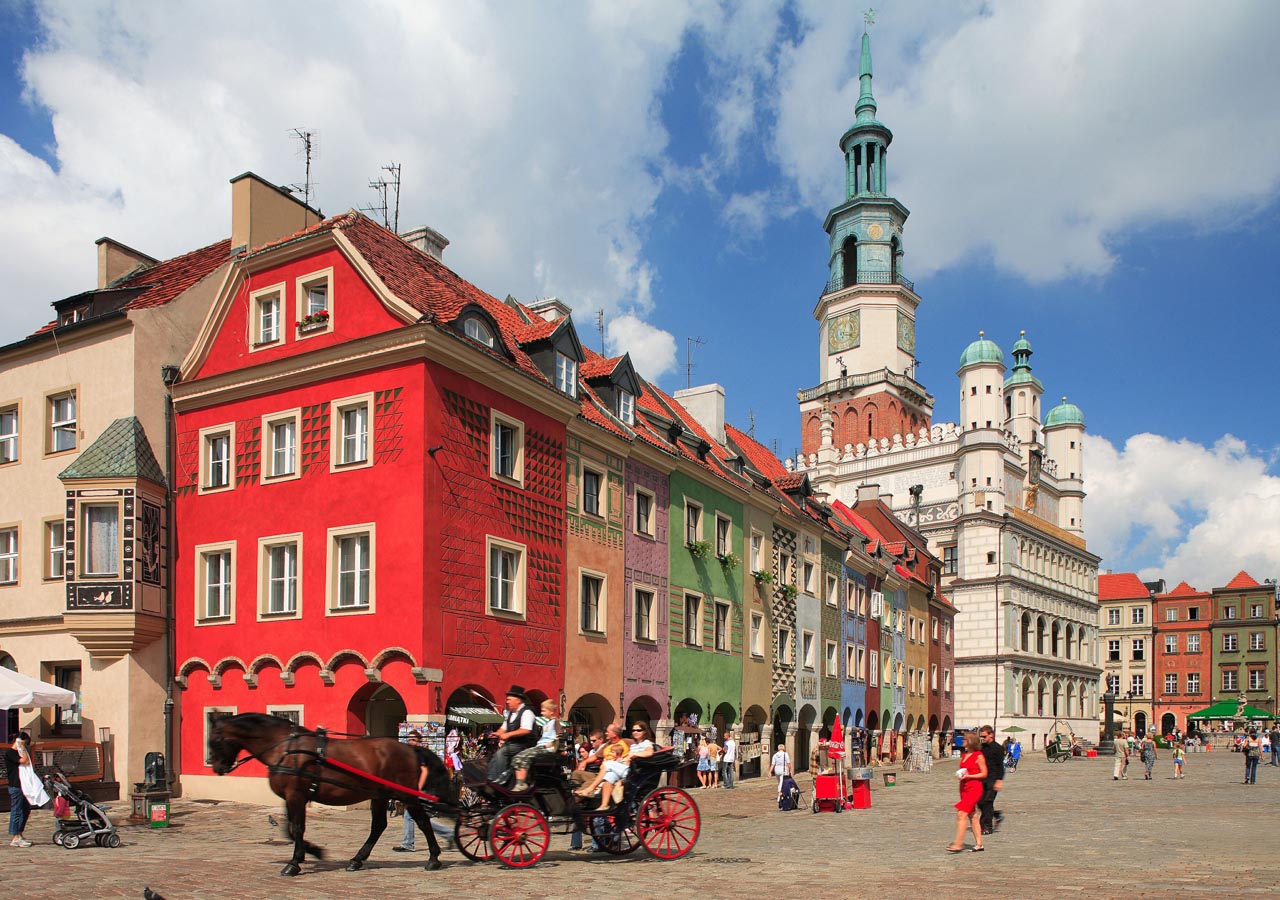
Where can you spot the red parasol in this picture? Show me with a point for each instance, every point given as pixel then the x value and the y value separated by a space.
pixel 836 748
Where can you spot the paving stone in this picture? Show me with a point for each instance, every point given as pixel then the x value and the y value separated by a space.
pixel 1069 830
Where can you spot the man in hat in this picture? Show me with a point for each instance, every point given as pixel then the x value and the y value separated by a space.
pixel 516 734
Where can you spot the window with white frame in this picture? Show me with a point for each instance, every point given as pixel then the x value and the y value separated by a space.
pixel 807 585
pixel 644 513
pixel 642 615
pixel 721 630
pixel 1229 612
pixel 873 668
pixel 217 458
pixel 946 634
pixel 833 591
pixel 1230 643
pixel 1137 684
pixel 1230 680
pixel 352 566
pixel 265 305
pixel 1193 643
pixel 566 375
pixel 478 331
pixel 724 543
pixel 1255 611
pixel 626 407
pixel 692 620
pixel 757 550
pixel 861 671
pixel 1113 616
pixel 100 540
pixel 215 582
pixel 1171 682
pixel 63 432
pixel 832 660
pixel 279 561
pixel 1257 679
pixel 784 646
pixel 1170 643
pixel 807 650
pixel 68 677
pixel 1257 640
pixel 55 549
pixel 9 554
pixel 288 713
pixel 591 603
pixel 506 447
pixel 350 425
pixel 946 682
pixel 1139 649
pixel 1193 613
pixel 281 437
pixel 506 577
pixel 1113 683
pixel 9 434
pixel 784 568
pixel 1113 650
pixel 850 662
pixel 315 303
pixel 1139 615
pixel 933 676
pixel 592 487
pixel 1193 682
pixel 692 522
pixel 1171 614
pixel 757 634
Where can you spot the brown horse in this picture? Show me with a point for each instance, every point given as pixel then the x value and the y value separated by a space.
pixel 307 765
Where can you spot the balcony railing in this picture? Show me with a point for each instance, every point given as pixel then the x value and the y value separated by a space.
pixel 869 278
pixel 861 380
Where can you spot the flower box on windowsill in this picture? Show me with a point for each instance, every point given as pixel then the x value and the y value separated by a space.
pixel 308 327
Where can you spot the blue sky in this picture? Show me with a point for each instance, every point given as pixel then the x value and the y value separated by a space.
pixel 1104 178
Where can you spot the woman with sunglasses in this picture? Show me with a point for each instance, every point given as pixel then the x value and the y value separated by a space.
pixel 614 771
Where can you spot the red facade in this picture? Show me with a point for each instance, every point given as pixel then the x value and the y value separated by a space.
pixel 1183 656
pixel 418 508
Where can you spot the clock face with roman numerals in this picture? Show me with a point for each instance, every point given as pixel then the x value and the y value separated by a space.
pixel 906 333
pixel 844 332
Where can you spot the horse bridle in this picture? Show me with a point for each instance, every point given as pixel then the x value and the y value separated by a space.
pixel 241 760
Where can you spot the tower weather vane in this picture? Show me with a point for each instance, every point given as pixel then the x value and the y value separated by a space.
pixel 870 17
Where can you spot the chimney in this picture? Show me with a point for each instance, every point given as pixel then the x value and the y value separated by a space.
pixel 427 240
pixel 706 405
pixel 115 260
pixel 869 493
pixel 550 308
pixel 261 212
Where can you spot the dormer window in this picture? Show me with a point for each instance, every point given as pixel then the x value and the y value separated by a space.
pixel 567 375
pixel 71 316
pixel 478 331
pixel 626 408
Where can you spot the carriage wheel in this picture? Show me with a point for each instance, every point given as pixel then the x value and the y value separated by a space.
pixel 471 834
pixel 519 835
pixel 618 842
pixel 668 823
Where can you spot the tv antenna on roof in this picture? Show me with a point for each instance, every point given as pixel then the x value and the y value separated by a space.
pixel 751 417
pixel 388 207
pixel 600 325
pixel 688 361
pixel 309 151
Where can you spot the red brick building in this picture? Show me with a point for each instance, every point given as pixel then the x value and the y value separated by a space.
pixel 371 486
pixel 1183 655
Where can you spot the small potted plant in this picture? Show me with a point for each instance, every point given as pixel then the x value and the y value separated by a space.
pixel 763 576
pixel 314 321
pixel 699 549
pixel 789 591
pixel 728 560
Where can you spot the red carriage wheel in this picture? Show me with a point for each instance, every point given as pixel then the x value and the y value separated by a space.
pixel 615 843
pixel 668 823
pixel 471 834
pixel 519 835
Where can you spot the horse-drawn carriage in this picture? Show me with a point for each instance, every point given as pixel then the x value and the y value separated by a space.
pixel 492 822
pixel 515 827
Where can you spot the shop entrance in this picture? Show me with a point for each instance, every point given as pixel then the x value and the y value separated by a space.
pixel 376 710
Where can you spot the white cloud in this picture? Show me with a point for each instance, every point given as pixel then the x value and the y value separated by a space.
pixel 653 351
pixel 1039 135
pixel 1181 511
pixel 533 142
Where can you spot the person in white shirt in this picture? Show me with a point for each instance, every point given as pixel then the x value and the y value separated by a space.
pixel 728 761
pixel 781 765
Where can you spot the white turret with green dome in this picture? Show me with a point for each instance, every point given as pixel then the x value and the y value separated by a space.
pixel 1022 393
pixel 1064 442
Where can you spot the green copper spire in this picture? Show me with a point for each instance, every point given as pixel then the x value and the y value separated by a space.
pixel 866 109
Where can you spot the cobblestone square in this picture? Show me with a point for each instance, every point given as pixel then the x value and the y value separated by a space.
pixel 1070 831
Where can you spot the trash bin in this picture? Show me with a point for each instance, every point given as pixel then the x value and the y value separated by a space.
pixel 862 793
pixel 890 779
pixel 160 814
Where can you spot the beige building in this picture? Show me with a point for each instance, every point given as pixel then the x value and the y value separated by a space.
pixel 1128 635
pixel 84 529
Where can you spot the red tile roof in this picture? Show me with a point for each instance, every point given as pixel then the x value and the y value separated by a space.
pixel 597 366
pixel 1183 590
pixel 166 281
pixel 1241 581
pixel 1121 586
pixel 757 454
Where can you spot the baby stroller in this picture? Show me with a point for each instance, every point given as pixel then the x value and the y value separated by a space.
pixel 78 817
pixel 789 797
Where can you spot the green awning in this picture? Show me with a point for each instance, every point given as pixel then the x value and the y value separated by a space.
pixel 1226 709
pixel 472 715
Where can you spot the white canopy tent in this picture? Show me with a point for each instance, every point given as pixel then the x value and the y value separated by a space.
pixel 18 691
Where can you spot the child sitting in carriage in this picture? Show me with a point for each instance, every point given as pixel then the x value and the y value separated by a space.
pixel 613 771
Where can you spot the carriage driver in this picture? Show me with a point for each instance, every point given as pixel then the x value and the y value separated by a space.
pixel 516 734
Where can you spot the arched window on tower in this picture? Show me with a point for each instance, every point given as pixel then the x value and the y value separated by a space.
pixel 870 430
pixel 1008 408
pixel 850 261
pixel 895 251
pixel 1022 403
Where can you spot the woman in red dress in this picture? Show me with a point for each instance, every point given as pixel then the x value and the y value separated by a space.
pixel 972 773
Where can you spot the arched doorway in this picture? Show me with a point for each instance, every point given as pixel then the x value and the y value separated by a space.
pixel 377 710
pixel 873 721
pixel 644 709
pixel 688 723
pixel 723 719
pixel 752 735
pixel 471 710
pixel 782 717
pixel 897 722
pixel 1168 722
pixel 589 712
pixel 1140 723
